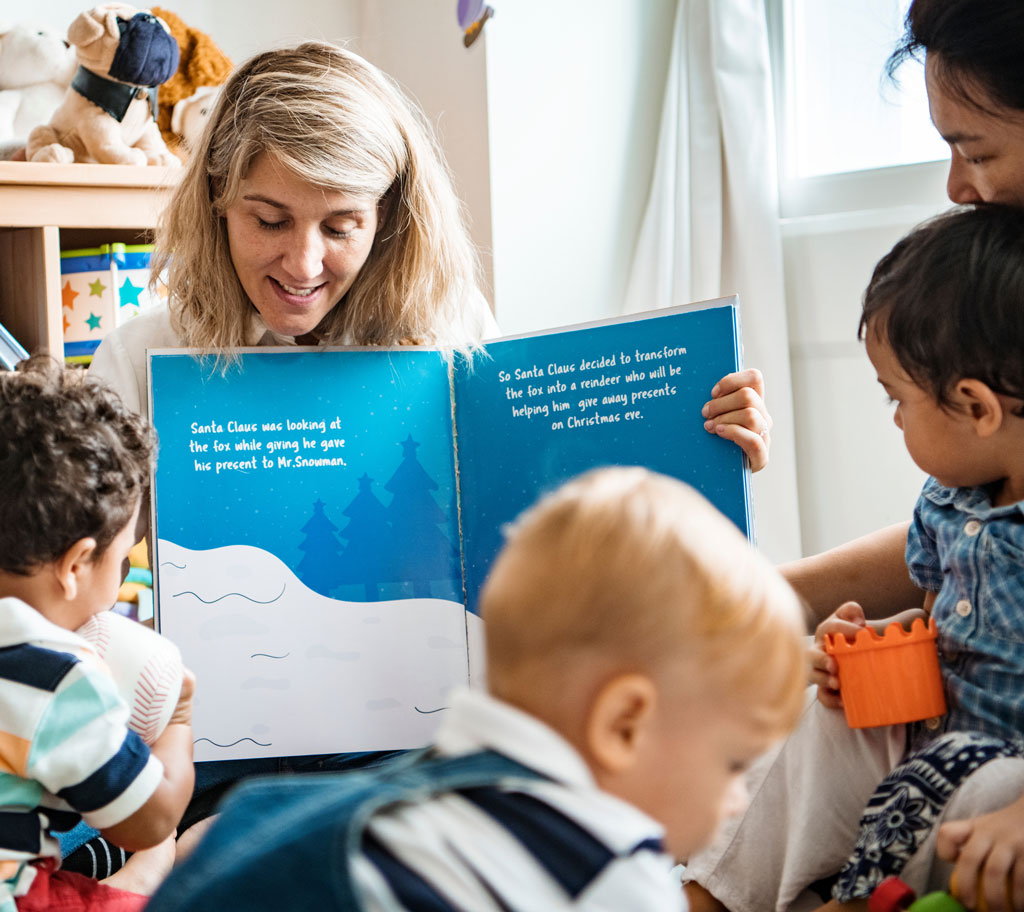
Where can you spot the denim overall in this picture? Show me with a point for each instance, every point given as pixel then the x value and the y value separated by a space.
pixel 287 842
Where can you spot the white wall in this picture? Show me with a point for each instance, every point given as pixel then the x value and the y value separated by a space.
pixel 854 474
pixel 574 98
pixel 418 42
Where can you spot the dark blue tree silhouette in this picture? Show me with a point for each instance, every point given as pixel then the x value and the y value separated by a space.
pixel 370 541
pixel 422 551
pixel 318 568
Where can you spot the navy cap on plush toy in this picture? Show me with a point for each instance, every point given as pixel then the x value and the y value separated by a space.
pixel 147 54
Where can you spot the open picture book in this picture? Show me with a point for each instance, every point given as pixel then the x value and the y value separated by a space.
pixel 324 518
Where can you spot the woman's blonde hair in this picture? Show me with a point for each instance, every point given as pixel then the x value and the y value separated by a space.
pixel 641 571
pixel 338 122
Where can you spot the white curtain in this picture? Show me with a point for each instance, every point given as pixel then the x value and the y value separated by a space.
pixel 711 226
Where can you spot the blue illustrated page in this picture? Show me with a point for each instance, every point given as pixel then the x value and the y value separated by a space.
pixel 307 538
pixel 543 408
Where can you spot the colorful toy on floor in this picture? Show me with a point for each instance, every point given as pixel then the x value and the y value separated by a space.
pixel 981 905
pixel 893 895
pixel 106 115
pixel 889 678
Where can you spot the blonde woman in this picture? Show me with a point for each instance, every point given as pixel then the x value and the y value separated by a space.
pixel 316 209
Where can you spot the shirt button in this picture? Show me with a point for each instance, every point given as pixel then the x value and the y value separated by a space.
pixel 973 527
pixel 933 723
pixel 963 608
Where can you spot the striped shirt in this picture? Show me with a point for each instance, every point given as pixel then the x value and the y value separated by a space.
pixel 66 753
pixel 972 554
pixel 556 843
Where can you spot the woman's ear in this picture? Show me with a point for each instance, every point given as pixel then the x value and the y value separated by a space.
pixel 618 721
pixel 985 407
pixel 72 564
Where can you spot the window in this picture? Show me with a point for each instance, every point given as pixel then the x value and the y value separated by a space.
pixel 849 138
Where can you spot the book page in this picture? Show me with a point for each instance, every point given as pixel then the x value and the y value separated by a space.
pixel 307 547
pixel 542 408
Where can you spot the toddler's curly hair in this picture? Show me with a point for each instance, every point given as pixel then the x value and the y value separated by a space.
pixel 74 462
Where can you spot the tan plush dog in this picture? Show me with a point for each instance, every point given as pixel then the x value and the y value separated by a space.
pixel 106 115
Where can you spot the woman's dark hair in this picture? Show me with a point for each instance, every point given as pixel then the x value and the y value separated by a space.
pixel 949 301
pixel 979 45
pixel 74 462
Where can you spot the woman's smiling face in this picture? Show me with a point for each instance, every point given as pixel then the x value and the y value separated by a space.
pixel 296 248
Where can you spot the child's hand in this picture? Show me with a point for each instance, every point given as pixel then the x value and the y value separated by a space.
pixel 737 412
pixel 989 855
pixel 182 714
pixel 847 620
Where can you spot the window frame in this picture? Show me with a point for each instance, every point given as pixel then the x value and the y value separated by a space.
pixel 898 186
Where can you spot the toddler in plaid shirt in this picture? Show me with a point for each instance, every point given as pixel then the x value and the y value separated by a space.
pixel 943 323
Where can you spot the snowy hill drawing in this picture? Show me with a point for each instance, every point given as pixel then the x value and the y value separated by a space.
pixel 384 668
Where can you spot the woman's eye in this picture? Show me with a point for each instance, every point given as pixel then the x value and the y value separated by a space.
pixel 270 226
pixel 335 233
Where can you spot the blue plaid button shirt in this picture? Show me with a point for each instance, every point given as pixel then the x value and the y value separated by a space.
pixel 972 554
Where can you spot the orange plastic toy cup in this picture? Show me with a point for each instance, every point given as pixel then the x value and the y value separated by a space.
pixel 890 678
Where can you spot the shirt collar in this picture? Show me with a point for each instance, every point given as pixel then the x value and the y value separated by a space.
pixel 21 623
pixel 475 721
pixel 258 334
pixel 973 501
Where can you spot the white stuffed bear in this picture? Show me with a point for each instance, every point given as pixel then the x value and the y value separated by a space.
pixel 36 68
pixel 189 116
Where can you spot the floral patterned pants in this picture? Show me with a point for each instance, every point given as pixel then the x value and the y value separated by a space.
pixel 908 804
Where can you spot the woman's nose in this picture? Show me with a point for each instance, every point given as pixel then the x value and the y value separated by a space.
pixel 959 187
pixel 303 256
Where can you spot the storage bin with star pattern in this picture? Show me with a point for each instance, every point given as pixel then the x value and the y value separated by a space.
pixel 102 287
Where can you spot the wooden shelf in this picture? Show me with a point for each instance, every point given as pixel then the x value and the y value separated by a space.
pixel 82 196
pixel 46 207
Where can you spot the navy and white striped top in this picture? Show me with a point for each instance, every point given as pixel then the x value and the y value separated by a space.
pixel 556 843
pixel 66 752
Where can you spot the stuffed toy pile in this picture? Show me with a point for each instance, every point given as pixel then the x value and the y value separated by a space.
pixel 186 99
pixel 107 114
pixel 36 66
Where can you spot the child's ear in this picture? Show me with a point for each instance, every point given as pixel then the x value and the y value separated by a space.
pixel 985 407
pixel 618 721
pixel 72 564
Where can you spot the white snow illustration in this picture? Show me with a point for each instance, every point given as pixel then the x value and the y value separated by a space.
pixel 284 671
